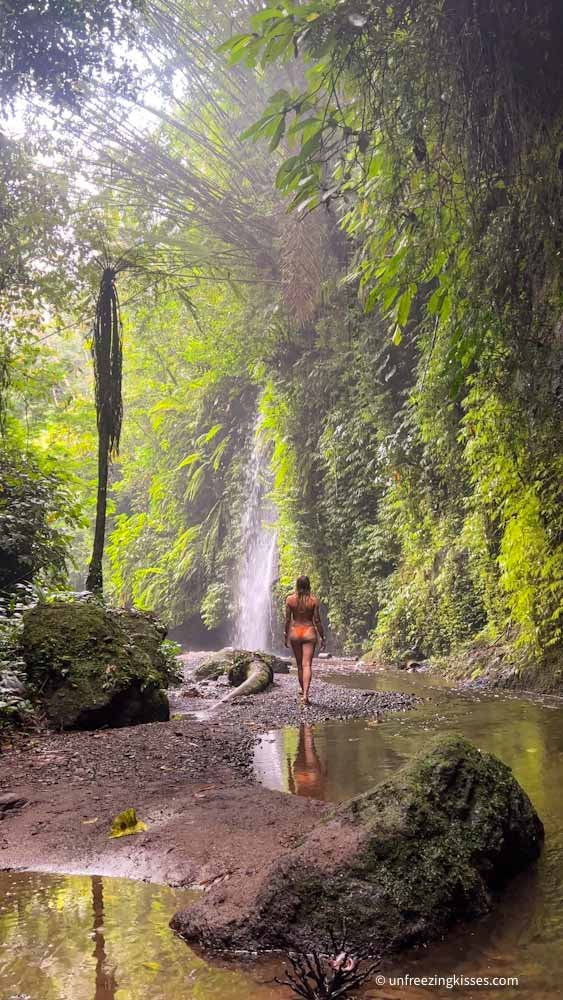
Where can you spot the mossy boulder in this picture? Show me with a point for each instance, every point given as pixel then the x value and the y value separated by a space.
pixel 410 658
pixel 93 666
pixel 215 666
pixel 222 663
pixel 424 849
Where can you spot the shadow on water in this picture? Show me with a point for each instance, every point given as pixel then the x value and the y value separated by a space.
pixel 335 760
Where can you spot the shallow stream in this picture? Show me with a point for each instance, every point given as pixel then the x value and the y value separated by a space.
pixel 523 937
pixel 94 938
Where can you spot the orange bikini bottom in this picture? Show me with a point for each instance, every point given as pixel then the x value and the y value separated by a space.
pixel 303 633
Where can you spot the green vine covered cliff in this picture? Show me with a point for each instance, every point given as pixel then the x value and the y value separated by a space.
pixel 346 218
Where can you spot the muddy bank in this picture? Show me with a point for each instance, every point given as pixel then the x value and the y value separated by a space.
pixel 190 783
pixel 189 779
pixel 497 666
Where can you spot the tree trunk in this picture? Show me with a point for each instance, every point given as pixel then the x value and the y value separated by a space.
pixel 94 581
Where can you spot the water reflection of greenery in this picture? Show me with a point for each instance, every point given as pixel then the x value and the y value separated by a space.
pixel 88 938
pixel 353 756
pixel 50 926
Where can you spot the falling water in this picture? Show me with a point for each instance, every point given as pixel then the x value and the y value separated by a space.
pixel 258 561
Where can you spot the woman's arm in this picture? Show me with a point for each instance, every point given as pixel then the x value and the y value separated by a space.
pixel 287 622
pixel 318 624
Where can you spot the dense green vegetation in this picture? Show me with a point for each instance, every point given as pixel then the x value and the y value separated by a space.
pixel 344 217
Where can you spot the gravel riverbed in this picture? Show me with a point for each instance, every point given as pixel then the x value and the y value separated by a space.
pixel 280 704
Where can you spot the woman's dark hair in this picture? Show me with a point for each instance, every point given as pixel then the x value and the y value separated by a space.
pixel 302 589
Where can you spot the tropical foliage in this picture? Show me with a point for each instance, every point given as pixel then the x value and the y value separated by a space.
pixel 344 218
pixel 50 50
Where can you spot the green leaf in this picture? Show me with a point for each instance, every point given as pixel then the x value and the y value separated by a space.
pixel 238 47
pixel 212 432
pixel 233 42
pixel 270 14
pixel 265 127
pixel 389 297
pixel 312 143
pixel 371 299
pixel 189 460
pixel 280 97
pixel 435 301
pixel 278 134
pixel 446 310
pixel 404 306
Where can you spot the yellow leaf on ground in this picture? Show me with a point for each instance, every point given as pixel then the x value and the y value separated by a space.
pixel 125 823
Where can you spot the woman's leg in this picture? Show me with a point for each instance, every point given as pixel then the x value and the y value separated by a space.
pixel 307 668
pixel 297 648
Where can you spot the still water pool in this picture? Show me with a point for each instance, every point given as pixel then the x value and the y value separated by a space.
pixel 93 938
pixel 84 937
pixel 523 937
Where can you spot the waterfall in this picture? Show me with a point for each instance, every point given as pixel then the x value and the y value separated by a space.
pixel 258 560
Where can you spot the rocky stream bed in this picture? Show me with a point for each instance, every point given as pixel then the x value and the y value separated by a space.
pixel 192 781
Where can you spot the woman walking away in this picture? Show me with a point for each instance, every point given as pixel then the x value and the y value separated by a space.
pixel 302 628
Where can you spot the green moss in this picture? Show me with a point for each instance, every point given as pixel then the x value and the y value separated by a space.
pixel 400 864
pixel 216 666
pixel 250 673
pixel 91 665
pixel 236 663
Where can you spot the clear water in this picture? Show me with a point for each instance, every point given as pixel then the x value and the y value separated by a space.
pixel 92 938
pixel 82 937
pixel 523 937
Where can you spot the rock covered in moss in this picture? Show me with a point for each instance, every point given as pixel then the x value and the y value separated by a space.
pixel 93 666
pixel 409 658
pixel 215 666
pixel 222 662
pixel 401 863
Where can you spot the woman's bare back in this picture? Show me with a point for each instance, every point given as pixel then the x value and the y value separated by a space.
pixel 303 609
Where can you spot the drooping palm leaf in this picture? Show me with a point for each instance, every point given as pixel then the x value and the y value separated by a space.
pixel 107 353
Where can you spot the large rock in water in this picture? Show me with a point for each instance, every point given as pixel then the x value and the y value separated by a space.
pixel 400 864
pixel 94 666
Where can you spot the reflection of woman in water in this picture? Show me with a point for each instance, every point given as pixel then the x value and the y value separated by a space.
pixel 302 628
pixel 306 775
